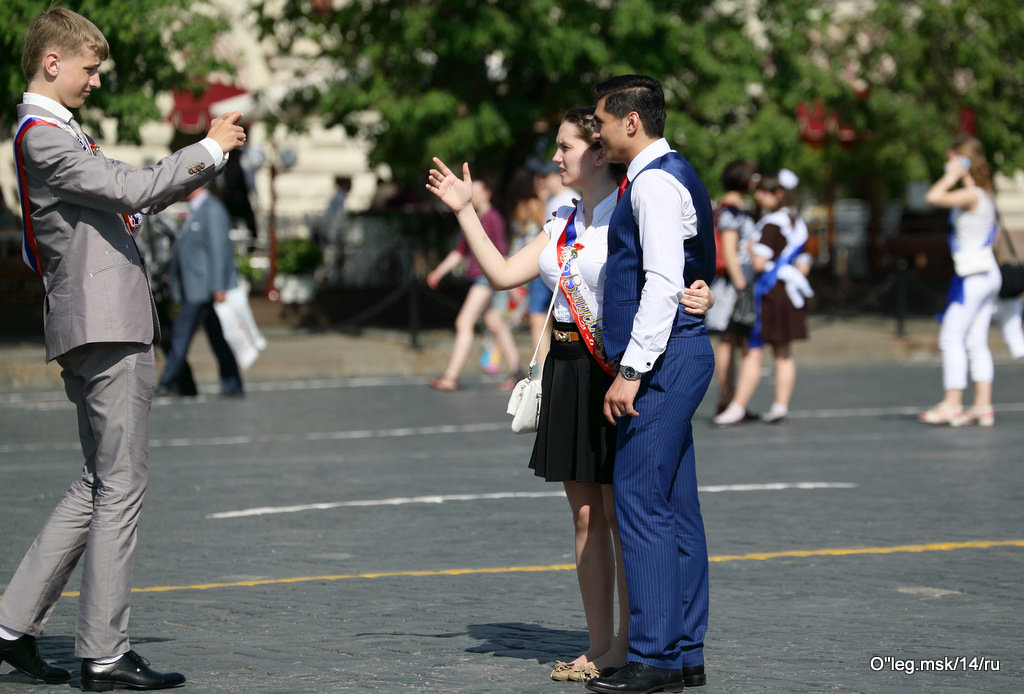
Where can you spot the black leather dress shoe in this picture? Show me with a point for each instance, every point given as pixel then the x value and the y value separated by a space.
pixel 131 671
pixel 637 678
pixel 23 654
pixel 694 676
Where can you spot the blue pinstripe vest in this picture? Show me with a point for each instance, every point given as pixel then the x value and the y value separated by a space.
pixel 625 275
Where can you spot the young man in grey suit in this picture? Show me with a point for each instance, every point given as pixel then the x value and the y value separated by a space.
pixel 100 323
pixel 203 271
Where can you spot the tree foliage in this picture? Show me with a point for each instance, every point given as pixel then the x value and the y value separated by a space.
pixel 483 80
pixel 935 64
pixel 156 45
pixel 486 80
pixel 902 77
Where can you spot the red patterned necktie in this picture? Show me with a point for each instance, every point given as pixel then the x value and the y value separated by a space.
pixel 622 187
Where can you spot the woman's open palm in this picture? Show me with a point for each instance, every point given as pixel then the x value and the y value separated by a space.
pixel 453 192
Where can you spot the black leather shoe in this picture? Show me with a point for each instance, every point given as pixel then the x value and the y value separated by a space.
pixel 23 654
pixel 131 671
pixel 637 678
pixel 694 676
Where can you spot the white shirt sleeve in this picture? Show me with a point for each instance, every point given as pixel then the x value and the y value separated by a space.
pixel 215 151
pixel 667 217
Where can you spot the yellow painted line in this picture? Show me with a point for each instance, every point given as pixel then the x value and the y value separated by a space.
pixel 847 551
pixel 756 556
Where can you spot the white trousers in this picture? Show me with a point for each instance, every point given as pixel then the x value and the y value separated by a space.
pixel 1008 318
pixel 963 337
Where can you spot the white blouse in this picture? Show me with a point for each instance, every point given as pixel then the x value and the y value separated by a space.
pixel 973 229
pixel 592 258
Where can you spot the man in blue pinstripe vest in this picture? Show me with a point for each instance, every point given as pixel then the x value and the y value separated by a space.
pixel 660 240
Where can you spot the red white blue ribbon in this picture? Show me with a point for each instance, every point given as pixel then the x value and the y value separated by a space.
pixel 582 301
pixel 29 248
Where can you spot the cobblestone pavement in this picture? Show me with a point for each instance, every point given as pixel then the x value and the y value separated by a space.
pixel 372 535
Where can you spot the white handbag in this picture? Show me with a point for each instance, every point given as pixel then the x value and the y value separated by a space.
pixel 974 262
pixel 524 403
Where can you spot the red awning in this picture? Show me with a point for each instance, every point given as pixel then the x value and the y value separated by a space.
pixel 191 114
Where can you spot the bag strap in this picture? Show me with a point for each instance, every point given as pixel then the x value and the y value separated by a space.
pixel 1006 235
pixel 547 317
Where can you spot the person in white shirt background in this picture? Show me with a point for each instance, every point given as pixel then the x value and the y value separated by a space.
pixel 965 188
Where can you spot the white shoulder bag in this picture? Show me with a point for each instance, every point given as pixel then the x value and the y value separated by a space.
pixel 524 403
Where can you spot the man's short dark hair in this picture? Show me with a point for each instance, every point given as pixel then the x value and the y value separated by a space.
pixel 640 93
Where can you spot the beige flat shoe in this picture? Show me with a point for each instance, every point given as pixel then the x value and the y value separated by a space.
pixel 584 674
pixel 561 671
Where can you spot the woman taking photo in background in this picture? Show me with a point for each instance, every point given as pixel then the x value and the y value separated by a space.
pixel 966 189
pixel 574 445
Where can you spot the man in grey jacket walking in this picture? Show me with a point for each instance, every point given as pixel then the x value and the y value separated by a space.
pixel 79 213
pixel 202 271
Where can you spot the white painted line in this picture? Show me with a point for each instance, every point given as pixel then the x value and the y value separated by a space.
pixel 440 499
pixel 774 487
pixel 395 433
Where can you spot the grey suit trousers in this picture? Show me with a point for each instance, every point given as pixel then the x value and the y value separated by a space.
pixel 111 385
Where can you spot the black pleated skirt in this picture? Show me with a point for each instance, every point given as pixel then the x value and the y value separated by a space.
pixel 574 441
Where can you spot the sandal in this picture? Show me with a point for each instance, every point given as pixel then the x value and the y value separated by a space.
pixel 940 414
pixel 443 383
pixel 510 382
pixel 983 418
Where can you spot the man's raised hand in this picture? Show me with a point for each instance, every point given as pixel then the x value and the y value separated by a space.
pixel 226 131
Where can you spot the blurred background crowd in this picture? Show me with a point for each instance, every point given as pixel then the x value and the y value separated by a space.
pixel 346 102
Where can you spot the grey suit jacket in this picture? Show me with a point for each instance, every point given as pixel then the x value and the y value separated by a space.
pixel 96 285
pixel 204 259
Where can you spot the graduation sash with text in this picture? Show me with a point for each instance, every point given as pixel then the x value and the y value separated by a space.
pixel 581 298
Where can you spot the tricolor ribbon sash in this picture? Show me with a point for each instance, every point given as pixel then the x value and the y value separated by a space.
pixel 582 300
pixel 29 250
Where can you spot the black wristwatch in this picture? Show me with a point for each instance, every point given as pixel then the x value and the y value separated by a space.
pixel 629 373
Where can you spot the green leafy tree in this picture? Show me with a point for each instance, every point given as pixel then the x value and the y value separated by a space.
pixel 896 79
pixel 936 65
pixel 156 45
pixel 487 80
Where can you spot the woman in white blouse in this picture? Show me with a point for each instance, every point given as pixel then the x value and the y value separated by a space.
pixel 966 189
pixel 575 445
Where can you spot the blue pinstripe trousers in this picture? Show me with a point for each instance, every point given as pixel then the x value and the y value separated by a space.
pixel 655 482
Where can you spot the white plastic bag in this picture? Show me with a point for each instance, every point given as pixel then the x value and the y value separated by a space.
pixel 239 327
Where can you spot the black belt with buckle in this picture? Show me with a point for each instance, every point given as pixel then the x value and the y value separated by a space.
pixel 565 335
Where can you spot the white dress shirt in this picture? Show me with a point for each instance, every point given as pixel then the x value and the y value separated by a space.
pixel 665 213
pixel 592 258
